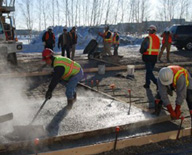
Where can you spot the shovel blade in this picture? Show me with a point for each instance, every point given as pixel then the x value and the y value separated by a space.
pixel 27 132
pixel 6 117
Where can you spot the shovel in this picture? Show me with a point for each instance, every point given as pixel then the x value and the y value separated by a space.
pixel 6 117
pixel 30 131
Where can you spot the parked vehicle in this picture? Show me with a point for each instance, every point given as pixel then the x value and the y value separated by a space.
pixel 9 44
pixel 182 36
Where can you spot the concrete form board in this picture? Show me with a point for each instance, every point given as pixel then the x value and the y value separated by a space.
pixel 91 112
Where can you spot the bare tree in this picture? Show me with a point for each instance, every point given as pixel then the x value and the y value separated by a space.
pixel 183 8
pixel 58 12
pixel 53 12
pixel 107 11
pixel 27 11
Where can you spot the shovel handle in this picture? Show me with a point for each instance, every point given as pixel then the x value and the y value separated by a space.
pixel 38 111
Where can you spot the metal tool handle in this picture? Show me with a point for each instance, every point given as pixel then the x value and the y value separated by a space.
pixel 38 111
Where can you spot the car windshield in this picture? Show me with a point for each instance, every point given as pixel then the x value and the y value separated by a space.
pixel 184 29
pixel 173 29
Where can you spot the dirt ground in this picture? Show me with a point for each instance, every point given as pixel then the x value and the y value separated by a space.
pixel 140 96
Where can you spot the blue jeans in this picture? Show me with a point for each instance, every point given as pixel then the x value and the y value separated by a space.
pixel 149 73
pixel 72 83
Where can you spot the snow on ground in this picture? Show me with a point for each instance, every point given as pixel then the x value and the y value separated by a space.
pixel 85 34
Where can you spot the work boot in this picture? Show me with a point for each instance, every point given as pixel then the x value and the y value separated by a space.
pixel 69 104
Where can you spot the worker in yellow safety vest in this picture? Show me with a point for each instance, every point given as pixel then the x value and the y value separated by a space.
pixel 107 41
pixel 178 79
pixel 67 71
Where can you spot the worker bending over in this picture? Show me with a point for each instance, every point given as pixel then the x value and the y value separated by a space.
pixel 178 79
pixel 70 72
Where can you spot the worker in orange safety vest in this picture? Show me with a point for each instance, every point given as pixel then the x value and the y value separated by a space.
pixel 178 79
pixel 166 44
pixel 48 38
pixel 150 50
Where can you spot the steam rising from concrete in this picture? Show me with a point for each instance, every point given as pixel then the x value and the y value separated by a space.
pixel 14 100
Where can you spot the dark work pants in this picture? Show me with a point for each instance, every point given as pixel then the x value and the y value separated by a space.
pixel 116 49
pixel 65 48
pixel 149 73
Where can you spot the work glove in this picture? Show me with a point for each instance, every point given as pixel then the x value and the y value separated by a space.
pixel 48 95
pixel 178 111
pixel 172 113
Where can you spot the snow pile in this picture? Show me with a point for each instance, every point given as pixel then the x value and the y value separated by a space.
pixel 85 34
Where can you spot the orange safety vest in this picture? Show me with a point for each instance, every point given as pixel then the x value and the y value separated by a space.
pixel 169 39
pixel 47 36
pixel 154 45
pixel 71 67
pixel 115 41
pixel 178 71
pixel 108 40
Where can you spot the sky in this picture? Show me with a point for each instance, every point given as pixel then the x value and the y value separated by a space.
pixel 21 23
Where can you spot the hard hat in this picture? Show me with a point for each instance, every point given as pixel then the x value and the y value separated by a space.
pixel 166 76
pixel 50 28
pixel 47 53
pixel 152 28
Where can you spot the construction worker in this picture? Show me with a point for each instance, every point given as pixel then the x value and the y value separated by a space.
pixel 149 50
pixel 107 41
pixel 166 43
pixel 73 36
pixel 115 42
pixel 65 43
pixel 49 38
pixel 178 79
pixel 65 70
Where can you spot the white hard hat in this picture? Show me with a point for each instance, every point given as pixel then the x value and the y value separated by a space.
pixel 50 28
pixel 166 76
pixel 152 28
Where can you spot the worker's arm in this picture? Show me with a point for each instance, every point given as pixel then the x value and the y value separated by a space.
pixel 43 38
pixel 163 93
pixel 144 45
pixel 181 90
pixel 57 74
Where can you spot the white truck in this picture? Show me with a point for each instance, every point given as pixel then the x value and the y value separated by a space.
pixel 9 44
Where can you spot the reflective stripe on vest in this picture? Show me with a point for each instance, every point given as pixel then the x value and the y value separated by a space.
pixel 71 67
pixel 178 71
pixel 115 39
pixel 109 40
pixel 154 45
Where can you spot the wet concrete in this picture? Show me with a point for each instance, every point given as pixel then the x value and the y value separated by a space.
pixel 91 111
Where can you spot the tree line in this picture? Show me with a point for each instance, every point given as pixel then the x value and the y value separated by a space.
pixel 39 14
